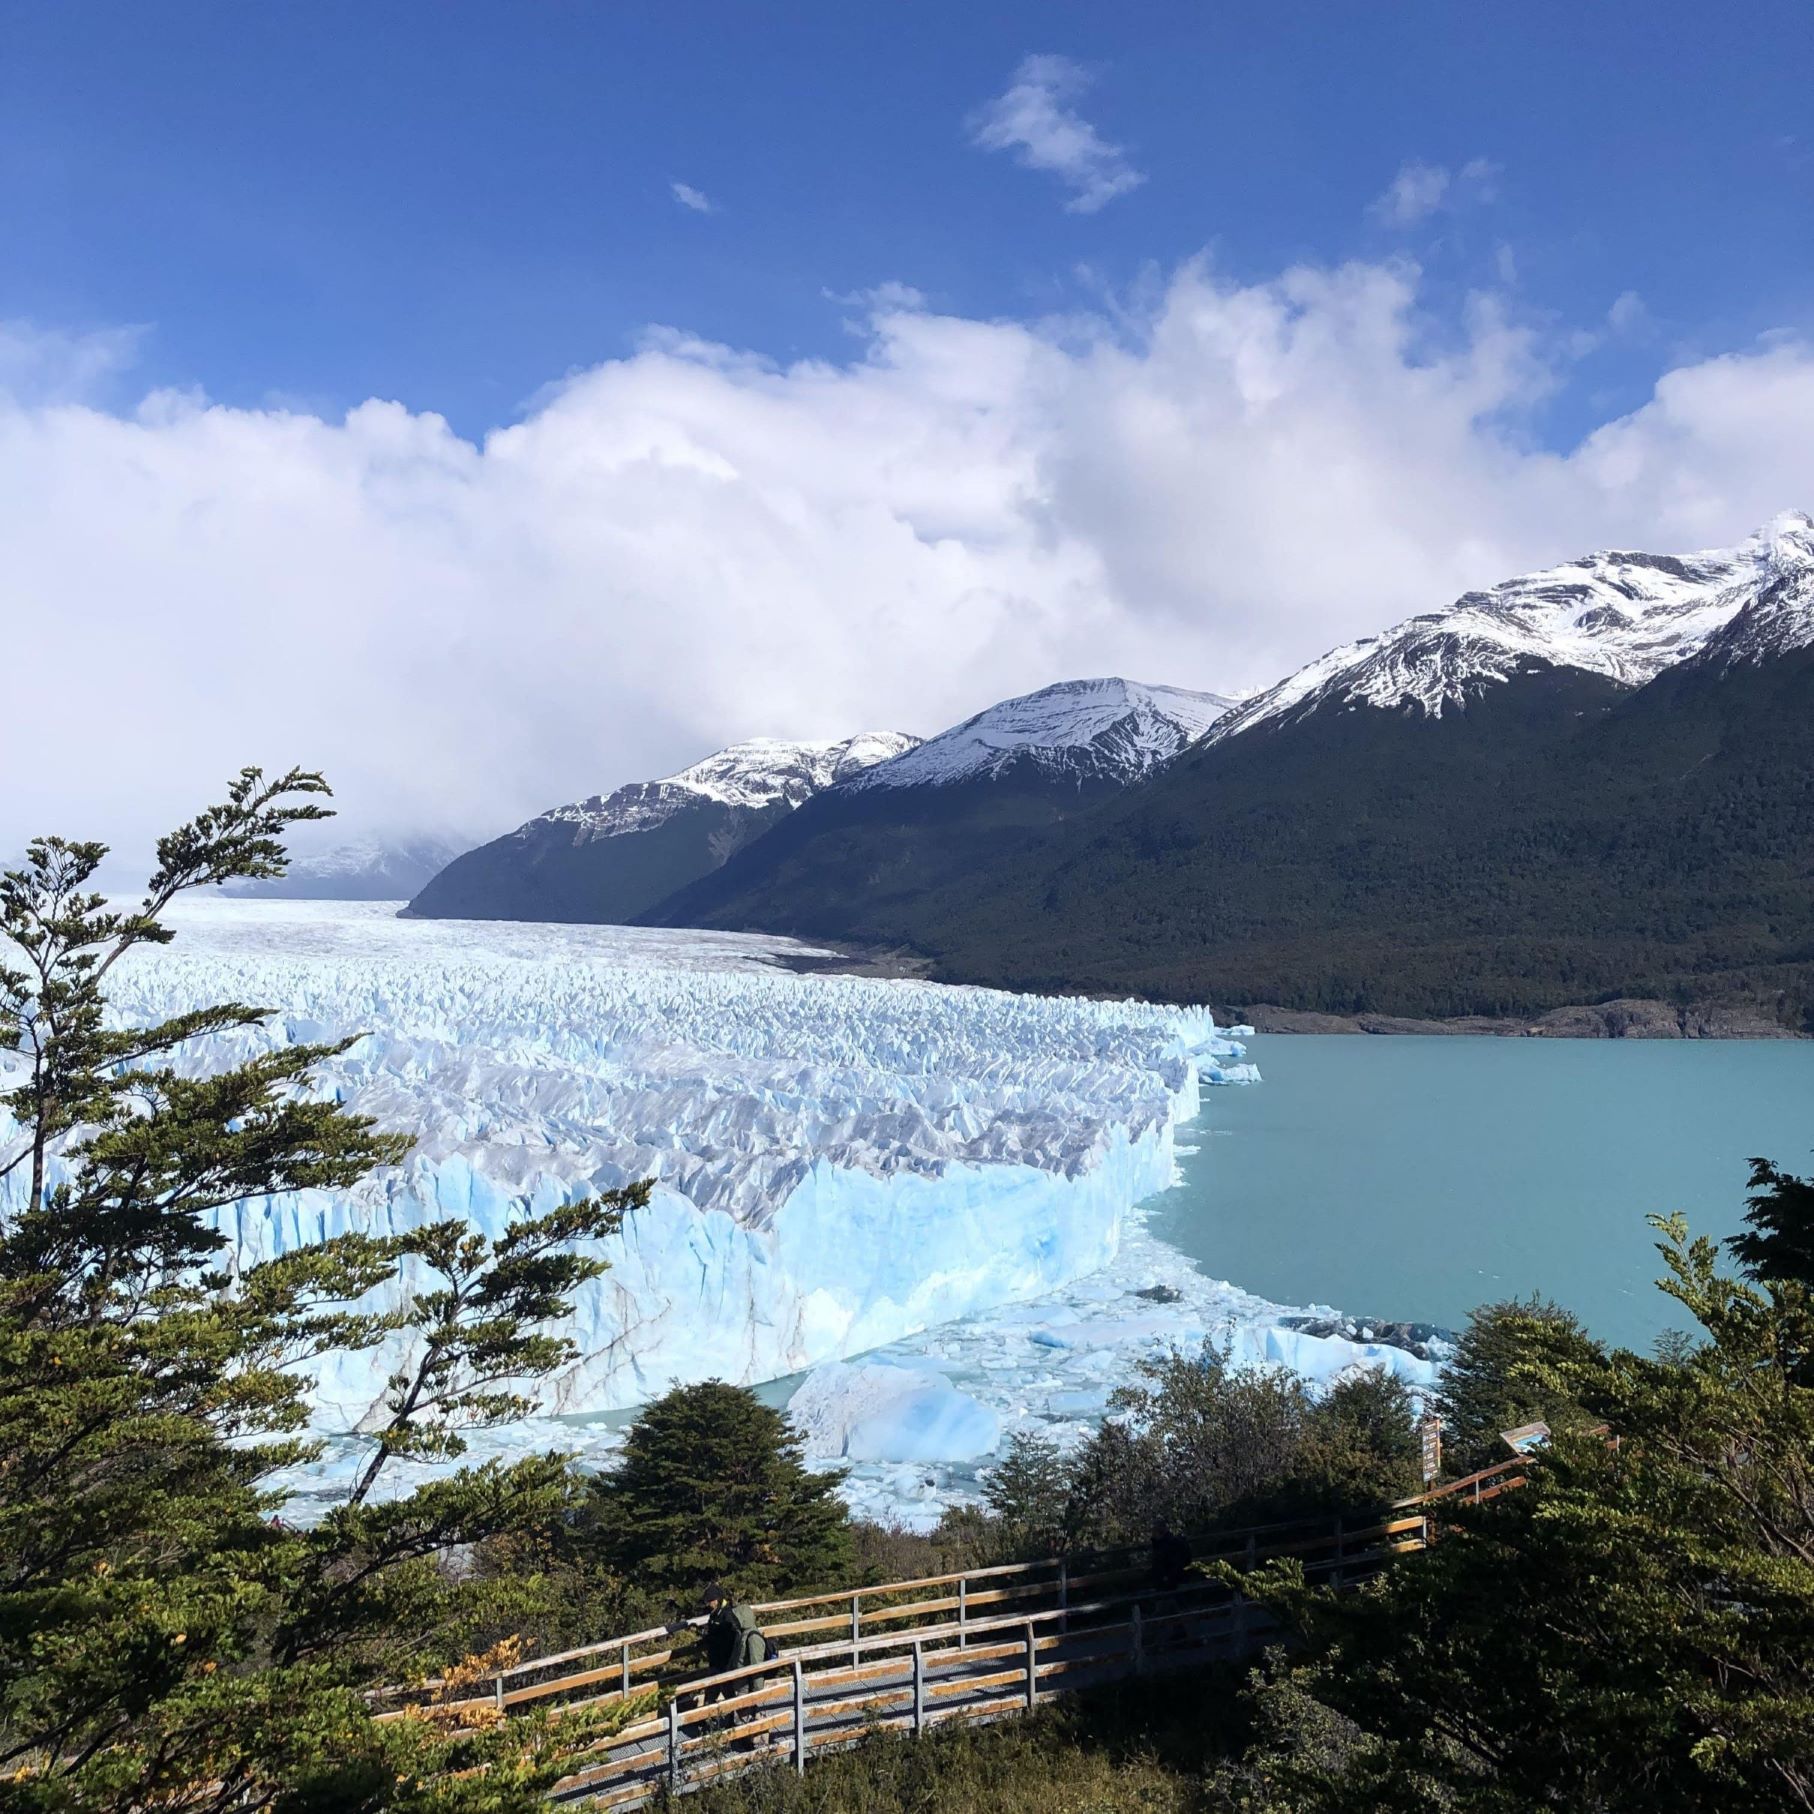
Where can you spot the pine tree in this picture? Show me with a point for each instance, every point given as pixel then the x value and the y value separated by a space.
pixel 1026 1491
pixel 1515 1363
pixel 163 1640
pixel 1780 1211
pixel 712 1486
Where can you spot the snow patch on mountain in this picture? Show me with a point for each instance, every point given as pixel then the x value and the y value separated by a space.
pixel 751 776
pixel 1622 615
pixel 1083 730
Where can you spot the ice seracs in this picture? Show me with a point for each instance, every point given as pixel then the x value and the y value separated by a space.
pixel 1085 730
pixel 839 1161
pixel 1625 616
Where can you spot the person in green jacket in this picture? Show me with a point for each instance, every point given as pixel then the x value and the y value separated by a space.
pixel 732 1638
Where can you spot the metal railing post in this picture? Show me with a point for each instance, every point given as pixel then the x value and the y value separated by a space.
pixel 1032 1670
pixel 1139 1644
pixel 856 1632
pixel 498 1689
pixel 626 1669
pixel 799 1719
pixel 963 1584
pixel 919 1687
pixel 1064 1594
pixel 674 1744
pixel 1341 1574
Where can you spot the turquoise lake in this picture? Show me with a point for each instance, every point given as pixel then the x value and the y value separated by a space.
pixel 1401 1177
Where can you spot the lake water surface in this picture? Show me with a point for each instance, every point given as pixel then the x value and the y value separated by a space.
pixel 1417 1177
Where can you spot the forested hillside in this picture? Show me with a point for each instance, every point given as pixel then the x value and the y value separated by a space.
pixel 1561 839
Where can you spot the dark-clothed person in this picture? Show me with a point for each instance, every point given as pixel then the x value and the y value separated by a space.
pixel 1170 1556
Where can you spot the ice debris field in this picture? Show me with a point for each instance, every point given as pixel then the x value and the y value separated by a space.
pixel 921 1199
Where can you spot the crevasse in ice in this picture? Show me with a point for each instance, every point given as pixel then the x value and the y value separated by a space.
pixel 840 1162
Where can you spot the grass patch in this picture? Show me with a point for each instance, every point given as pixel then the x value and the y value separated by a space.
pixel 1138 1748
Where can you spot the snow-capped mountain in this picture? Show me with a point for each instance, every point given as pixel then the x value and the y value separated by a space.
pixel 973 800
pixel 1109 730
pixel 610 857
pixel 1623 616
pixel 362 869
pixel 1590 783
pixel 751 777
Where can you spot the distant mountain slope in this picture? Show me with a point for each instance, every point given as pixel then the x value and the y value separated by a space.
pixel 983 795
pixel 1596 781
pixel 606 859
pixel 366 869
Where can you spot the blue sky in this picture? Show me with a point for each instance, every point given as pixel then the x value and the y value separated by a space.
pixel 497 402
pixel 453 204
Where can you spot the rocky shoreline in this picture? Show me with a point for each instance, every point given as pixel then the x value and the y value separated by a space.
pixel 1627 1018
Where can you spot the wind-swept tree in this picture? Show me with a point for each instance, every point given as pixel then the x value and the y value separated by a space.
pixel 164 1641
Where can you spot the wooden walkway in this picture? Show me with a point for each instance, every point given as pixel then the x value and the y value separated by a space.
pixel 982 1645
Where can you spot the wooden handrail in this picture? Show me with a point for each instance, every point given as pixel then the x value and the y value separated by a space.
pixel 912 1664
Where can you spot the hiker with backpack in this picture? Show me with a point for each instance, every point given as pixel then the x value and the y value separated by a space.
pixel 731 1639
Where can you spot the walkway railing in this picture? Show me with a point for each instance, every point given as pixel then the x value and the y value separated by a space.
pixel 911 1654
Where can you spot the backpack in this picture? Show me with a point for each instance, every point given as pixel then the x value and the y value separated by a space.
pixel 771 1651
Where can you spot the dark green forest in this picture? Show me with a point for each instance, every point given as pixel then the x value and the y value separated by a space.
pixel 1560 841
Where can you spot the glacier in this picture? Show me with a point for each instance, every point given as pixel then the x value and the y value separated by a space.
pixel 920 1198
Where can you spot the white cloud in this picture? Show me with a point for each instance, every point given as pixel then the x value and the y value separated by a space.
pixel 1414 193
pixel 41 363
pixel 1628 313
pixel 1035 121
pixel 689 197
pixel 1420 190
pixel 693 544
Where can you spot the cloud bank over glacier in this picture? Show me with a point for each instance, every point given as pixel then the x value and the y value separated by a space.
pixel 1204 485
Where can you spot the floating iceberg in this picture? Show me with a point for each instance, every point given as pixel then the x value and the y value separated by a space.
pixel 877 1411
pixel 840 1162
pixel 1050 1366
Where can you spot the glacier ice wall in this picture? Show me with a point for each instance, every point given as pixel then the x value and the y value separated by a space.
pixel 840 1161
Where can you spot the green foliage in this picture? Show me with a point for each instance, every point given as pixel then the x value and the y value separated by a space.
pixel 479 1329
pixel 1138 1749
pixel 1631 1631
pixel 1516 1363
pixel 1201 1443
pixel 1360 1445
pixel 1780 1211
pixel 712 1487
pixel 163 1640
pixel 1026 1493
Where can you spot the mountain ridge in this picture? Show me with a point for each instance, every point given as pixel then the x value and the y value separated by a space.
pixel 1590 783
pixel 1625 615
pixel 370 868
pixel 986 792
pixel 606 858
